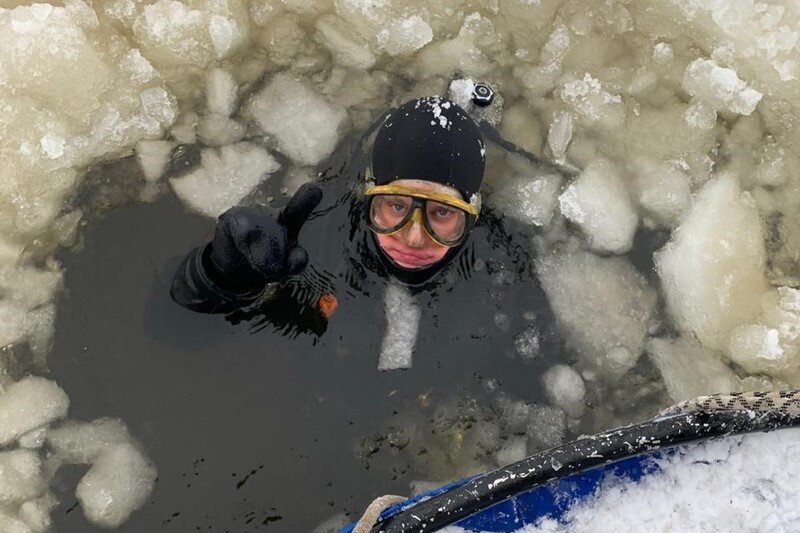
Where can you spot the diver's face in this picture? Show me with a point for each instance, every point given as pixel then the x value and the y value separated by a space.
pixel 411 247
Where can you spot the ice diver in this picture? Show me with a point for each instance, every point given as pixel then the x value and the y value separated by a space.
pixel 413 215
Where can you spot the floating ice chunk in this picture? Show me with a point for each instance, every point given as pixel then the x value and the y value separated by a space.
pixel 305 125
pixel 215 129
pixel 402 325
pixel 222 31
pixel 516 415
pixel 721 87
pixel 171 33
pixel 689 370
pixel 184 131
pixel 224 177
pixel 593 103
pixel 663 191
pixel 118 483
pixel 36 513
pixel 546 427
pixel 565 389
pixel 712 270
pixel 559 135
pixel 53 145
pixel 83 15
pixel 773 346
pixel 33 439
pixel 757 348
pixel 158 105
pixel 700 115
pixel 83 442
pixel 346 48
pixel 405 35
pixel 20 476
pixel 28 404
pixel 601 303
pixel 662 53
pixel 47 56
pixel 775 164
pixel 598 202
pixel 220 91
pixel 527 195
pixel 515 449
pixel 526 343
pixel 139 68
pixel 12 324
pixel 12 524
pixel 28 287
pixel 153 157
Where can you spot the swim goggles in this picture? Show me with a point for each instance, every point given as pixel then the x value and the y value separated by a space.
pixel 446 219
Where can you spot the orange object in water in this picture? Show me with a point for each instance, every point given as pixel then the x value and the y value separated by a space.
pixel 327 304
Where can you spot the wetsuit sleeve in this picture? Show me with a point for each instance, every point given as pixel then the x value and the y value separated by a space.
pixel 197 286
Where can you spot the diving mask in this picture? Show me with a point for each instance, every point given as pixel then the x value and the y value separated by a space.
pixel 446 219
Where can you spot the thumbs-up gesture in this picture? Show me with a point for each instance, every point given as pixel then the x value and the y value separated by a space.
pixel 253 245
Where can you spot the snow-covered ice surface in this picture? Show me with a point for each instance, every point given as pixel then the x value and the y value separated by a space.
pixel 721 485
pixel 681 228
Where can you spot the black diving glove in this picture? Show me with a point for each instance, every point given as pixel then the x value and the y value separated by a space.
pixel 253 246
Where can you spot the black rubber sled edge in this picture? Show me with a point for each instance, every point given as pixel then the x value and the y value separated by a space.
pixel 577 456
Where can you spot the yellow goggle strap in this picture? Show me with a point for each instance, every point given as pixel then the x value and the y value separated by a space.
pixel 440 197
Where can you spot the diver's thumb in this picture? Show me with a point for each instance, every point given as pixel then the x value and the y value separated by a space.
pixel 296 260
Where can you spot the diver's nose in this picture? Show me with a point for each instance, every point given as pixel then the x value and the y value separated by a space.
pixel 415 234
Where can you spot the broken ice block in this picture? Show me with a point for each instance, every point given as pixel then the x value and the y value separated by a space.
pixel 402 325
pixel 565 389
pixel 721 87
pixel 598 202
pixel 220 91
pixel 305 125
pixel 405 35
pixel 20 476
pixel 515 449
pixel 601 303
pixel 224 177
pixel 28 404
pixel 712 270
pixel 689 370
pixel 153 157
pixel 527 194
pixel 771 346
pixel 82 442
pixel 117 484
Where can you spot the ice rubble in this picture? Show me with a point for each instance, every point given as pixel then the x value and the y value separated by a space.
pixel 682 116
pixel 719 485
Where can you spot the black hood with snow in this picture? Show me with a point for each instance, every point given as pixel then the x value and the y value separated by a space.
pixel 432 139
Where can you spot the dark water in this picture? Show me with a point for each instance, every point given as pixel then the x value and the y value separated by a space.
pixel 256 430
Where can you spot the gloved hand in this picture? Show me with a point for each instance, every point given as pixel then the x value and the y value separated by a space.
pixel 253 246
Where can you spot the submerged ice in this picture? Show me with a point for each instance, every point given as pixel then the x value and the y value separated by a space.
pixel 672 123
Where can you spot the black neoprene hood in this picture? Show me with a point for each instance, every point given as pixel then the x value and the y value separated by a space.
pixel 431 139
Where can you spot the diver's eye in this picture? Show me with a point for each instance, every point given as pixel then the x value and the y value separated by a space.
pixel 397 206
pixel 443 212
